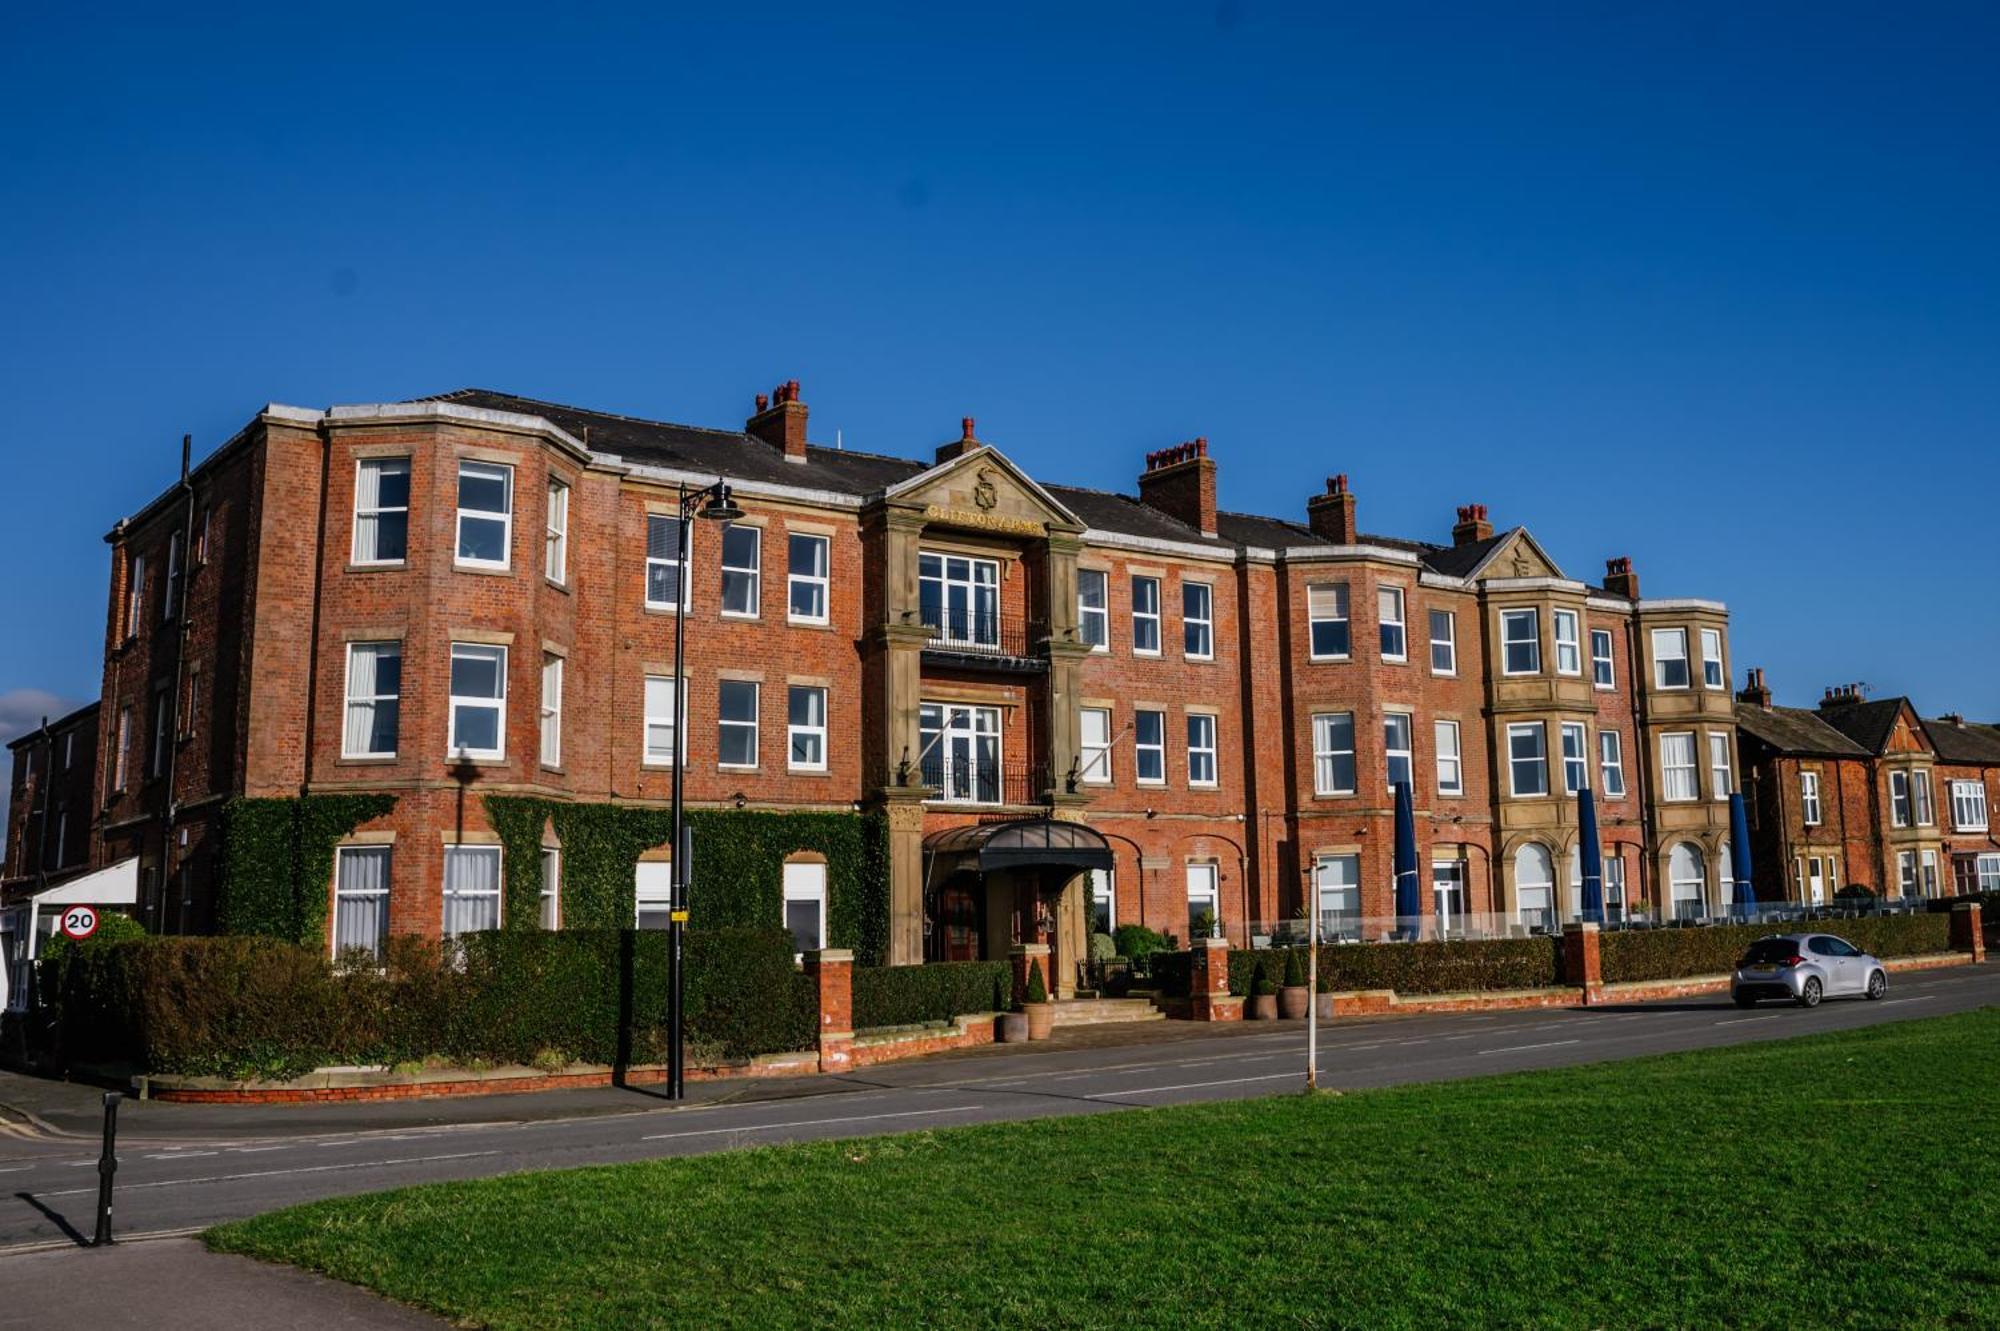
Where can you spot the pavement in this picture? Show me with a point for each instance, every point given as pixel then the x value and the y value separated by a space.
pixel 184 1167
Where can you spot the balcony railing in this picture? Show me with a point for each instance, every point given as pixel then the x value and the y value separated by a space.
pixel 981 633
pixel 977 784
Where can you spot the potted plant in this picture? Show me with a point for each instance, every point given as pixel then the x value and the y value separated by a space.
pixel 1293 998
pixel 1263 996
pixel 1040 1012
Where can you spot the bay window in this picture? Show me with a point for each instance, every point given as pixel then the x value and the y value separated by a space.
pixel 478 701
pixel 1677 767
pixel 1670 658
pixel 1326 615
pixel 360 900
pixel 1521 642
pixel 1569 645
pixel 1333 753
pixel 374 699
pixel 1527 759
pixel 1389 618
pixel 471 889
pixel 381 511
pixel 485 514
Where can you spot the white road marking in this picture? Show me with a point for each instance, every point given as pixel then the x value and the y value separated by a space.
pixel 1298 1075
pixel 1920 998
pixel 180 1155
pixel 1523 1048
pixel 252 1150
pixel 273 1173
pixel 1768 1016
pixel 810 1122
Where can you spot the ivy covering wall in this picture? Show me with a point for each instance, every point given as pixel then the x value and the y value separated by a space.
pixel 737 878
pixel 277 859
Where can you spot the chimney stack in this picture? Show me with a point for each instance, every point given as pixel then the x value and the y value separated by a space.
pixel 960 446
pixel 1755 690
pixel 1331 515
pixel 1619 579
pixel 1180 482
pixel 1842 695
pixel 780 421
pixel 1472 525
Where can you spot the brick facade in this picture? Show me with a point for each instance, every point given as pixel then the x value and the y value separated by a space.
pixel 254 668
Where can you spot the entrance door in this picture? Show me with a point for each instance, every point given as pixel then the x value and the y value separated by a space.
pixel 1815 880
pixel 960 923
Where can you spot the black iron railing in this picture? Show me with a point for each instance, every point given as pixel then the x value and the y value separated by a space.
pixel 980 633
pixel 976 783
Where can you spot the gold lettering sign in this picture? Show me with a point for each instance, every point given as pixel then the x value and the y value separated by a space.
pixel 960 517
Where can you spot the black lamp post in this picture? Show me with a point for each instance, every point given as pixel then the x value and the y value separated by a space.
pixel 712 502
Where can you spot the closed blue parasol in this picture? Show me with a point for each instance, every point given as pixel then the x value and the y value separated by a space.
pixel 1592 856
pixel 1739 855
pixel 1409 904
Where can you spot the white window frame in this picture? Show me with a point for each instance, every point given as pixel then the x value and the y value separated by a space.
pixel 670 720
pixel 1968 806
pixel 1567 629
pixel 551 712
pixel 555 545
pixel 1713 676
pixel 755 724
pixel 380 895
pixel 549 914
pixel 804 881
pixel 1611 763
pixel 121 769
pixel 1672 771
pixel 370 702
pixel 1675 641
pixel 1094 757
pixel 1699 881
pixel 1899 799
pixel 1104 888
pixel 1342 889
pixel 505 517
pixel 1614 888
pixel 1407 753
pixel 819 584
pixel 652 892
pixel 1603 668
pixel 794 730
pixel 1721 764
pixel 666 561
pixel 1326 754
pixel 1141 749
pixel 1146 617
pixel 1208 890
pixel 1931 881
pixel 1100 614
pixel 954 729
pixel 1987 866
pixel 399 465
pixel 1449 641
pixel 169 590
pixel 1576 767
pixel 135 594
pixel 1201 726
pixel 975 622
pixel 472 651
pixel 1332 598
pixel 752 573
pixel 498 894
pixel 1920 793
pixel 1202 624
pixel 1810 812
pixel 1906 874
pixel 1538 761
pixel 1388 596
pixel 1450 760
pixel 1544 915
pixel 1533 641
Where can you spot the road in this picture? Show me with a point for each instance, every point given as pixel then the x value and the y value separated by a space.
pixel 215 1165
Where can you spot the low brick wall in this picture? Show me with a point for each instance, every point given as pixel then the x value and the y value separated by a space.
pixel 965 1032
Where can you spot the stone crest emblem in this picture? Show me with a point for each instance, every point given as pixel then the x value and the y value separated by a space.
pixel 985 493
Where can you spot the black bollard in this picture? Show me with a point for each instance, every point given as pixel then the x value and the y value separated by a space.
pixel 107 1165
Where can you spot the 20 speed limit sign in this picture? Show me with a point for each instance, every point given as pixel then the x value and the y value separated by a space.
pixel 79 922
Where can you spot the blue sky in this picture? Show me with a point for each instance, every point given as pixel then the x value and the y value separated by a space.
pixel 1708 287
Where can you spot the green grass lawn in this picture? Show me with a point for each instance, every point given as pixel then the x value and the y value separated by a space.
pixel 1845 1180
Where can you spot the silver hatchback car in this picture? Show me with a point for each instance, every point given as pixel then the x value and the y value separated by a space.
pixel 1806 968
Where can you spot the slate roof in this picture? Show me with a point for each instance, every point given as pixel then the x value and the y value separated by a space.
pixel 1795 730
pixel 1868 724
pixel 1963 742
pixel 843 471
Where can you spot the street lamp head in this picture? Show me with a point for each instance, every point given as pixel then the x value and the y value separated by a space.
pixel 721 507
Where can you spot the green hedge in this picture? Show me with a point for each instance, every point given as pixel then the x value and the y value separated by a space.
pixel 1673 954
pixel 905 995
pixel 737 871
pixel 258 1007
pixel 1460 966
pixel 277 860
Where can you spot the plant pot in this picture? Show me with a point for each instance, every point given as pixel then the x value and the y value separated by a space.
pixel 1293 1000
pixel 1013 1028
pixel 1262 1007
pixel 1041 1019
pixel 1325 1004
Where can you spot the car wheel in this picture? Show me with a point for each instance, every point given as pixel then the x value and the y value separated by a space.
pixel 1878 984
pixel 1810 992
pixel 1744 1000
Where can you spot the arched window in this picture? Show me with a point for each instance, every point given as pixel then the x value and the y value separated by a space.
pixel 1573 897
pixel 1534 886
pixel 1687 880
pixel 1725 876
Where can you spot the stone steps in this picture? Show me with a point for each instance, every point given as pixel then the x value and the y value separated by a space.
pixel 1102 1011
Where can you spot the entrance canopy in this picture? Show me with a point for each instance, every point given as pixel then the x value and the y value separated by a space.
pixel 1023 843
